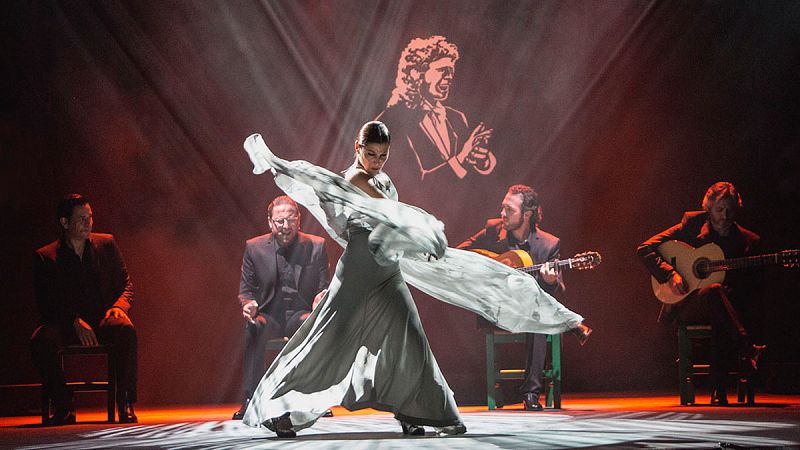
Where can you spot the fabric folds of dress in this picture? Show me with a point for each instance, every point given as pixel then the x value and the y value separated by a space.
pixel 506 297
pixel 364 346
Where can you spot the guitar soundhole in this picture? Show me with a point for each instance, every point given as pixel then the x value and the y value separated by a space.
pixel 700 268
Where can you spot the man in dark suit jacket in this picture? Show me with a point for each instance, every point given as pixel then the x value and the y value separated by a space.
pixel 84 294
pixel 718 304
pixel 517 229
pixel 284 274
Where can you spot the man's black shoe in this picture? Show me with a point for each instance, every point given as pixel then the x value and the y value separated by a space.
pixel 62 417
pixel 719 397
pixel 126 413
pixel 530 402
pixel 239 415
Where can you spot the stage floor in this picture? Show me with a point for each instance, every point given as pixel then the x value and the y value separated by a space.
pixel 619 421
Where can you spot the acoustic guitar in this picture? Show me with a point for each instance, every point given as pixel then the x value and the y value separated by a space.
pixel 521 260
pixel 703 266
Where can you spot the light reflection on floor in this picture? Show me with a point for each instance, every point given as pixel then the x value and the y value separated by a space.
pixel 633 422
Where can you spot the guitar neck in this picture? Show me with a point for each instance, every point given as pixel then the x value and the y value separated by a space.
pixel 744 262
pixel 560 263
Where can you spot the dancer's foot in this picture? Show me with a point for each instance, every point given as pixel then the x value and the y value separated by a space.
pixel 450 430
pixel 283 426
pixel 412 430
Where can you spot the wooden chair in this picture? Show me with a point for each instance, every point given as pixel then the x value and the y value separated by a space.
pixel 109 385
pixel 689 337
pixel 551 374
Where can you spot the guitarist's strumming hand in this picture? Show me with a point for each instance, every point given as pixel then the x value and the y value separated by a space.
pixel 677 285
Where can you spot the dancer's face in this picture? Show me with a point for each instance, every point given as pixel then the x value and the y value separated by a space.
pixel 284 223
pixel 372 156
pixel 438 78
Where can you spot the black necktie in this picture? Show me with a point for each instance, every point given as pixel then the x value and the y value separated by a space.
pixel 524 246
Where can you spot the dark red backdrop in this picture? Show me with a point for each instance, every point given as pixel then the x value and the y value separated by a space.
pixel 620 114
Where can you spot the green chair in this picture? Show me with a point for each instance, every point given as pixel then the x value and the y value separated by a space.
pixel 690 336
pixel 552 371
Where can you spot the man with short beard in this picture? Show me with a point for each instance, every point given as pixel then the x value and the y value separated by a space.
pixel 284 274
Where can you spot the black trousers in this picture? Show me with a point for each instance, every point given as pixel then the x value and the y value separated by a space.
pixel 729 339
pixel 535 354
pixel 255 345
pixel 118 332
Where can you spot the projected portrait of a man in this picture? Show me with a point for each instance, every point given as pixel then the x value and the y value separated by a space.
pixel 432 136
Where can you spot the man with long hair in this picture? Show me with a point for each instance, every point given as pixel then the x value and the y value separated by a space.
pixel 721 305
pixel 518 229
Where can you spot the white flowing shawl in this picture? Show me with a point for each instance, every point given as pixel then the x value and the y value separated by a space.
pixel 506 297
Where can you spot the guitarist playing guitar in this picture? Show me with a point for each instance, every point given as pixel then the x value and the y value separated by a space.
pixel 517 229
pixel 720 304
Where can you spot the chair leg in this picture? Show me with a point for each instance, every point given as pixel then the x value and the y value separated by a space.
pixel 741 387
pixel 555 358
pixel 745 392
pixel 686 385
pixel 490 372
pixel 112 387
pixel 45 407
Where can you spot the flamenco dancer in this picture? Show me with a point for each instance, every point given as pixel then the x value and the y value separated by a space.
pixel 364 345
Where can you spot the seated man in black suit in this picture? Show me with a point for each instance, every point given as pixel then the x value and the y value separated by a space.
pixel 721 305
pixel 84 294
pixel 284 274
